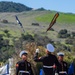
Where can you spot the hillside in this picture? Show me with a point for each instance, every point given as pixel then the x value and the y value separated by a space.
pixel 13 7
pixel 63 17
pixel 64 21
pixel 13 39
pixel 44 18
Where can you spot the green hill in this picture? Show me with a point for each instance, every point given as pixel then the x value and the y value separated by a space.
pixel 12 41
pixel 43 18
pixel 63 17
pixel 65 20
pixel 13 7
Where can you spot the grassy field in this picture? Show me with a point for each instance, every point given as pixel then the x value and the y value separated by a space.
pixel 64 21
pixel 63 17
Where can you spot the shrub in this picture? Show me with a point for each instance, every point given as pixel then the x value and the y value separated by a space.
pixel 4 21
pixel 63 31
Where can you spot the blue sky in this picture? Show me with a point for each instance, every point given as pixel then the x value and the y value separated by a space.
pixel 57 5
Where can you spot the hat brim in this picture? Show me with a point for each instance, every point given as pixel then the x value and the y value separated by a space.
pixel 50 47
pixel 60 54
pixel 23 53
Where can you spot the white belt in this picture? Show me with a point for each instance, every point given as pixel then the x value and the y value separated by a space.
pixel 48 66
pixel 63 72
pixel 23 72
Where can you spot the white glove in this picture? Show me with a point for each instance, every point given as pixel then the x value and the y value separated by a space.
pixel 37 50
pixel 56 73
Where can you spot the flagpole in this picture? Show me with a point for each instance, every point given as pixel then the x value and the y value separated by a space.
pixel 22 30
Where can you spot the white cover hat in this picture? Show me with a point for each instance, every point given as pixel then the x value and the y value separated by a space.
pixel 60 54
pixel 23 52
pixel 50 48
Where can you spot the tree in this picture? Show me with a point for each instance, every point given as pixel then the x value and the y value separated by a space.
pixel 4 21
pixel 13 7
pixel 7 33
pixel 73 34
pixel 63 31
pixel 63 34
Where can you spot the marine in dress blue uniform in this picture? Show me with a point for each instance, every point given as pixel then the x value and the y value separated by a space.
pixel 23 67
pixel 62 68
pixel 48 61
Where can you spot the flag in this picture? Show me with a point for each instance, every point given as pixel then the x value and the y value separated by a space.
pixel 53 21
pixel 18 21
pixel 4 70
pixel 71 69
